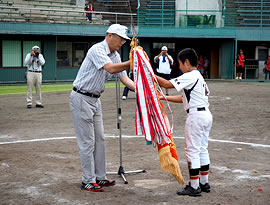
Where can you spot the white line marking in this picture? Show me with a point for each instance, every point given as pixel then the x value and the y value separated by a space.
pixel 37 140
pixel 133 136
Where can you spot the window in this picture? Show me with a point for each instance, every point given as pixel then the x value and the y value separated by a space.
pixel 15 51
pixel 12 54
pixel 71 54
pixel 201 20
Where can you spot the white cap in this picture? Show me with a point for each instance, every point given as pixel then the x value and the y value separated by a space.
pixel 35 47
pixel 164 48
pixel 119 30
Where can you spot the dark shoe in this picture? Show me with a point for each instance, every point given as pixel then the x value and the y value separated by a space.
pixel 40 106
pixel 190 191
pixel 91 187
pixel 205 187
pixel 29 106
pixel 106 182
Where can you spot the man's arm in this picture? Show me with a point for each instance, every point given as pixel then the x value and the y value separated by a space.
pixel 157 57
pixel 164 83
pixel 170 59
pixel 28 59
pixel 41 59
pixel 116 67
pixel 128 82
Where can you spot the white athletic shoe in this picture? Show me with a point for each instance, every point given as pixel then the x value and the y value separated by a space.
pixel 236 78
pixel 240 78
pixel 124 97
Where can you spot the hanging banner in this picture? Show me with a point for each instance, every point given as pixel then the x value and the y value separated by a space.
pixel 151 118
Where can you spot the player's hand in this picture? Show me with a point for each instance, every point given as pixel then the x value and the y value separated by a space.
pixel 33 53
pixel 159 95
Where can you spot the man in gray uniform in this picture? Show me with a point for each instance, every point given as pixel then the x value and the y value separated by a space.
pixel 101 62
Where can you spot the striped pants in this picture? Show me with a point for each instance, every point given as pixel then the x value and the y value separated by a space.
pixel 87 119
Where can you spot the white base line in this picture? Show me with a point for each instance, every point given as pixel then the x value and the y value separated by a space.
pixel 133 136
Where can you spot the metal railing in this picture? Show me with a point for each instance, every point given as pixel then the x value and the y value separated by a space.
pixel 143 18
pixel 204 18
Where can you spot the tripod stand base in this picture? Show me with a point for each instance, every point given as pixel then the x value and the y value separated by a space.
pixel 122 173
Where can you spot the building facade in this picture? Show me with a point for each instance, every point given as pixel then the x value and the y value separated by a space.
pixel 215 29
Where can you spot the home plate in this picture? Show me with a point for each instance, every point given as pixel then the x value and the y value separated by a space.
pixel 150 183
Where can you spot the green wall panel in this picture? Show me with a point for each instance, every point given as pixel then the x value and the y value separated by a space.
pixel 49 69
pixel 12 75
pixel 227 51
pixel 68 74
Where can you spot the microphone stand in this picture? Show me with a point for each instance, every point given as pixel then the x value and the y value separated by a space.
pixel 121 170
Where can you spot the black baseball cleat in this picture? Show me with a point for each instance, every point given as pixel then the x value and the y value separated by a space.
pixel 189 191
pixel 92 187
pixel 205 187
pixel 106 182
pixel 39 106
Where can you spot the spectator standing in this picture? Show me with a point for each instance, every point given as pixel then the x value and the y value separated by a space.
pixel 206 67
pixel 34 62
pixel 89 8
pixel 101 62
pixel 240 66
pixel 200 65
pixel 267 68
pixel 164 61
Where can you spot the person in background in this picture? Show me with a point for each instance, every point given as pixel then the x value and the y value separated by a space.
pixel 240 66
pixel 90 9
pixel 267 68
pixel 34 62
pixel 200 66
pixel 206 67
pixel 101 63
pixel 126 89
pixel 164 64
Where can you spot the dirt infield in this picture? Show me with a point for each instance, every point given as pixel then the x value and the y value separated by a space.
pixel 39 158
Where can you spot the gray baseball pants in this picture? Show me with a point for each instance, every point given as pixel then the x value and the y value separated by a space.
pixel 87 118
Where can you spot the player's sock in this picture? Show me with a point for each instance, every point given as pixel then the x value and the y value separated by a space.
pixel 204 171
pixel 194 178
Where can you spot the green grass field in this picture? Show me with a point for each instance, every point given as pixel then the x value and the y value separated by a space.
pixel 22 89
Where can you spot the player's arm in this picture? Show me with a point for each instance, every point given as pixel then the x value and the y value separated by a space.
pixel 175 99
pixel 164 83
pixel 116 67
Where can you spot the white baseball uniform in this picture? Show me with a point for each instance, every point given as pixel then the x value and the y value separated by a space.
pixel 199 119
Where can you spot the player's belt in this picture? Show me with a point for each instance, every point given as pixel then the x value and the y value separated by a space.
pixel 87 94
pixel 198 109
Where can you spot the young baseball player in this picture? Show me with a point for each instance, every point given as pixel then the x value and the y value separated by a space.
pixel 198 122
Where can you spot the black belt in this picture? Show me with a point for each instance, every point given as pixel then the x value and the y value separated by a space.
pixel 87 94
pixel 198 109
pixel 34 71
